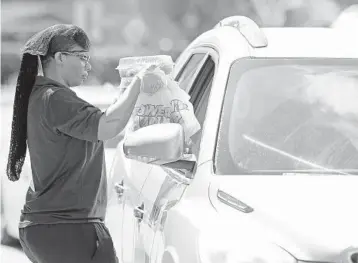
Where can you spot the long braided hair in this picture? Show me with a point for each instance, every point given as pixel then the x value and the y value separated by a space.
pixel 25 82
pixel 63 41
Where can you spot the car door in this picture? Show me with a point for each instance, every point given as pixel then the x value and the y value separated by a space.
pixel 136 208
pixel 164 187
pixel 129 182
pixel 128 187
pixel 123 200
pixel 128 177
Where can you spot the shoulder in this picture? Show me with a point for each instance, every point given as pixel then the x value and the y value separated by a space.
pixel 65 100
pixel 53 97
pixel 55 93
pixel 42 94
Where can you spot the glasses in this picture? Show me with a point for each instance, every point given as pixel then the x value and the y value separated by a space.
pixel 80 54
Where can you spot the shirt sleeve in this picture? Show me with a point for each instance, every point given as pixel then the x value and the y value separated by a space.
pixel 69 114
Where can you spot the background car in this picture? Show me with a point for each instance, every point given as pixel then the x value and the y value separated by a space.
pixel 277 108
pixel 13 193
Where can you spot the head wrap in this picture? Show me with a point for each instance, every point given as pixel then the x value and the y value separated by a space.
pixel 50 40
pixel 39 44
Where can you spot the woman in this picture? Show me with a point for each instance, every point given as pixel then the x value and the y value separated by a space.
pixel 62 219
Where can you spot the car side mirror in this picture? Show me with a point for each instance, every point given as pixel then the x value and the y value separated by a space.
pixel 160 144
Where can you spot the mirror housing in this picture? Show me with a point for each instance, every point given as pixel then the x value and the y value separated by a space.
pixel 156 144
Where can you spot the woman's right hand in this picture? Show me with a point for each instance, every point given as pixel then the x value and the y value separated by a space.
pixel 136 81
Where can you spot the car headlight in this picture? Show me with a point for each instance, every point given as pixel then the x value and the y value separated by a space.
pixel 226 248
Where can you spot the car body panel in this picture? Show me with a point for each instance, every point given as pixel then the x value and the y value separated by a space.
pixel 307 43
pixel 310 216
pixel 159 194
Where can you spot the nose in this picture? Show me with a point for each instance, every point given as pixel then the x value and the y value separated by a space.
pixel 88 66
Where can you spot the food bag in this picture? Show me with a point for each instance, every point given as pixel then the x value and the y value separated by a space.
pixel 161 100
pixel 128 67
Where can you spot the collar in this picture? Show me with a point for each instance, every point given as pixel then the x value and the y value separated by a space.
pixel 44 81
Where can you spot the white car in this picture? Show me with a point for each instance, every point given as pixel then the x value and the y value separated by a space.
pixel 271 176
pixel 347 19
pixel 13 193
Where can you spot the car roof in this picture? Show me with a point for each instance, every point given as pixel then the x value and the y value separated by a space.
pixel 308 42
pixel 284 42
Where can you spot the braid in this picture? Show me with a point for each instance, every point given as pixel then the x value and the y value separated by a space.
pixel 25 83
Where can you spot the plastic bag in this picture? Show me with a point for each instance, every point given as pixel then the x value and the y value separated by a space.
pixel 162 101
pixel 128 67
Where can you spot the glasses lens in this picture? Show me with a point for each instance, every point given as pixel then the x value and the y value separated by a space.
pixel 84 57
pixel 79 54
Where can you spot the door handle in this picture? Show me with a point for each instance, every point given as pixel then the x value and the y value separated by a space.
pixel 119 189
pixel 139 212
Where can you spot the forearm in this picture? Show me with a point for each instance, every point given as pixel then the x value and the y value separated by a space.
pixel 116 117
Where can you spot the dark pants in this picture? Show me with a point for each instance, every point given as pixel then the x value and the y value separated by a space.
pixel 68 243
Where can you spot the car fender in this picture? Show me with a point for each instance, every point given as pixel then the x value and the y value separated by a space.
pixel 182 226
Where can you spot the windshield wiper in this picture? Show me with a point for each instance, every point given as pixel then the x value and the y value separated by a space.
pixel 316 168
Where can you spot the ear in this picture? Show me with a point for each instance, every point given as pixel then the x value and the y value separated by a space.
pixel 59 57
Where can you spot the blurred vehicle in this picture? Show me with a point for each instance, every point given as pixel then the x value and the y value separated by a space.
pixel 13 193
pixel 277 108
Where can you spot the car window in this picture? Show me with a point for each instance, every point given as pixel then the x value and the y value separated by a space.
pixel 187 75
pixel 199 94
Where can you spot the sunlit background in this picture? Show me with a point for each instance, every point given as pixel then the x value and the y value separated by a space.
pixel 120 28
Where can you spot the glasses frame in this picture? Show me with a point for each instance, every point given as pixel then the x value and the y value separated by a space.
pixel 80 54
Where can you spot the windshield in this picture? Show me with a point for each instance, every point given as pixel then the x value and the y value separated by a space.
pixel 290 115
